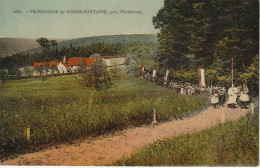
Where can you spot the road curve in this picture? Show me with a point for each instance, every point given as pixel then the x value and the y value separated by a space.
pixel 104 150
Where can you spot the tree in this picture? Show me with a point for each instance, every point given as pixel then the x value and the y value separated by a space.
pixel 239 32
pixel 115 69
pixel 82 66
pixel 27 71
pixel 45 69
pixel 96 78
pixel 210 30
pixel 43 78
pixel 13 70
pixel 251 75
pixel 3 76
pixel 46 44
pixel 54 69
pixel 174 22
pixel 140 55
pixel 39 69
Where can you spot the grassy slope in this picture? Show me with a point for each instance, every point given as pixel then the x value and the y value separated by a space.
pixel 232 144
pixel 9 46
pixel 58 109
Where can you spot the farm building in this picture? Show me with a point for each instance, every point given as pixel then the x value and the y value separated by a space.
pixel 73 65
pixel 76 62
pixel 26 71
pixel 110 62
pixel 49 68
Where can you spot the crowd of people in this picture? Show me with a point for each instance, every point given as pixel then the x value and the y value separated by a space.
pixel 235 96
pixel 219 95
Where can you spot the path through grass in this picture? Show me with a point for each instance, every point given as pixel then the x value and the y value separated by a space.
pixel 235 143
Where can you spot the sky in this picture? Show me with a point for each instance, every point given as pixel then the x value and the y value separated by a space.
pixel 21 18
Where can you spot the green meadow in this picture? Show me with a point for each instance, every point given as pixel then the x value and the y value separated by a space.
pixel 59 111
pixel 235 143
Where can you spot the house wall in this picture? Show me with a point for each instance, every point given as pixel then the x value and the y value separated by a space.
pixel 23 71
pixel 74 68
pixel 62 68
pixel 110 62
pixel 107 62
pixel 118 61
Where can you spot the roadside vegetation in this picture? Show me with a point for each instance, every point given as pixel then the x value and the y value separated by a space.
pixel 207 34
pixel 235 143
pixel 57 110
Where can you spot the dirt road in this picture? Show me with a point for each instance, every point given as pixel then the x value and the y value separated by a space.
pixel 104 150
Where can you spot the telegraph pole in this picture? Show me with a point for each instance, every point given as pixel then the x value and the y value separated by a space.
pixel 232 60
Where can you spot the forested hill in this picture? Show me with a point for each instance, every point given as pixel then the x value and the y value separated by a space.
pixel 10 46
pixel 107 39
pixel 111 39
pixel 110 45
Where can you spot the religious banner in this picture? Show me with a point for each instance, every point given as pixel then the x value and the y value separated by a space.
pixel 201 77
pixel 154 73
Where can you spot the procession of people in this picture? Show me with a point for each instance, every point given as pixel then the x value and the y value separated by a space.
pixel 234 97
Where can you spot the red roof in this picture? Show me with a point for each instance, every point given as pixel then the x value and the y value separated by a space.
pixel 49 64
pixel 37 64
pixel 89 61
pixel 66 65
pixel 76 61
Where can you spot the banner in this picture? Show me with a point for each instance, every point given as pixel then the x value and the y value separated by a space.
pixel 198 75
pixel 167 73
pixel 201 77
pixel 154 73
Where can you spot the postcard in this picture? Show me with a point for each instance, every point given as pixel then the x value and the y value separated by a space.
pixel 129 83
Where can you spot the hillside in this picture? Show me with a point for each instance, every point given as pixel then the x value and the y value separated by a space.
pixel 108 39
pixel 111 39
pixel 10 46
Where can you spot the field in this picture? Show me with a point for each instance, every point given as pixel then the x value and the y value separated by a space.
pixel 57 110
pixel 235 143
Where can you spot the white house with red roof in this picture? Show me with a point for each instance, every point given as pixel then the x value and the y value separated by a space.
pixel 72 65
pixel 49 68
pixel 75 63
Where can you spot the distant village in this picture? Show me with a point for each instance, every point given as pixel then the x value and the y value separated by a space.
pixel 72 65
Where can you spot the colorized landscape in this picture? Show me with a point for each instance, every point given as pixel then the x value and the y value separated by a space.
pixel 186 96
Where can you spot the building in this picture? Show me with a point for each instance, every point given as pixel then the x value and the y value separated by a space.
pixel 50 68
pixel 26 70
pixel 111 62
pixel 75 63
